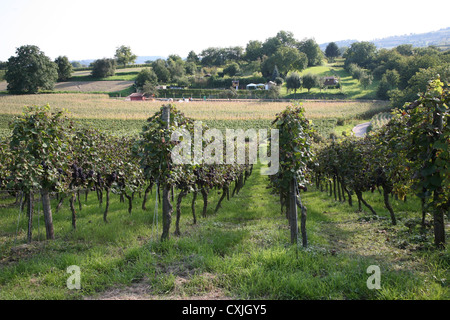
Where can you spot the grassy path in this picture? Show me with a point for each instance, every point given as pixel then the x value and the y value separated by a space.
pixel 241 252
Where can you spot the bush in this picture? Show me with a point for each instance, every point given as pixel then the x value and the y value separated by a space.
pixel 274 92
pixel 293 81
pixel 310 81
pixel 102 68
pixel 366 80
pixel 146 75
pixel 182 81
pixel 150 89
pixel 232 69
pixel 64 68
pixel 279 81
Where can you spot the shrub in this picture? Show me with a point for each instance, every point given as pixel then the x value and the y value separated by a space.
pixel 64 68
pixel 144 76
pixel 293 81
pixel 310 81
pixel 102 68
pixel 279 81
pixel 232 69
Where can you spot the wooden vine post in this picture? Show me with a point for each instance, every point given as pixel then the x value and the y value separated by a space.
pixel 47 209
pixel 30 209
pixel 167 205
pixel 293 213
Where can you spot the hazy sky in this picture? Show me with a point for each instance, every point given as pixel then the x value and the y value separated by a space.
pixel 91 29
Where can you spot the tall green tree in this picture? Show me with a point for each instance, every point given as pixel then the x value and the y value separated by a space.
pixel 389 81
pixel 312 51
pixel 310 81
pixel 270 46
pixel 366 80
pixel 253 50
pixel 361 53
pixel 192 57
pixel 76 64
pixel 176 67
pixel 213 56
pixel 287 39
pixel 30 70
pixel 275 73
pixel 286 59
pixel 332 51
pixel 146 75
pixel 102 68
pixel 161 70
pixel 124 55
pixel 65 68
pixel 232 69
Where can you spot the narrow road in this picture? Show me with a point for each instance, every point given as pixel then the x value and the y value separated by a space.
pixel 361 129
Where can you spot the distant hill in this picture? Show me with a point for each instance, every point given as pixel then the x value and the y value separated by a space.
pixel 440 38
pixel 139 60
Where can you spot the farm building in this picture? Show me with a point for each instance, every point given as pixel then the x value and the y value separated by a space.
pixel 330 81
pixel 270 84
pixel 137 97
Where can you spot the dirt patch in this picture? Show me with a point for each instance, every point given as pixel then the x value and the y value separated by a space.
pixel 85 86
pixel 183 281
pixel 93 86
pixel 144 291
pixel 21 252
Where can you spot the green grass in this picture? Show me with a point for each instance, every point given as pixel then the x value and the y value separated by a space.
pixel 351 89
pixel 242 252
pixel 123 76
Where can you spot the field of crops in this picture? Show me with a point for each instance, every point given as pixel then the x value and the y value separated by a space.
pixel 127 117
pixel 97 106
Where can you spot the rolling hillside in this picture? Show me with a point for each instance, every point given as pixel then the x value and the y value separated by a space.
pixel 440 38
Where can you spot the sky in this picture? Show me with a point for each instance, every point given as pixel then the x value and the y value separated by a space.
pixel 93 29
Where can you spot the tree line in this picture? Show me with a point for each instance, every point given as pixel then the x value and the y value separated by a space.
pixel 402 71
